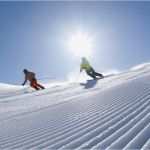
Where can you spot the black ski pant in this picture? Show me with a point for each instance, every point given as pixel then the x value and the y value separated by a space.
pixel 91 72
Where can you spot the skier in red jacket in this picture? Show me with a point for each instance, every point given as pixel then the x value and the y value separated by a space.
pixel 30 76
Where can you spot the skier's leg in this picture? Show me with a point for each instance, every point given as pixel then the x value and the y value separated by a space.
pixel 91 74
pixel 98 74
pixel 33 84
pixel 39 85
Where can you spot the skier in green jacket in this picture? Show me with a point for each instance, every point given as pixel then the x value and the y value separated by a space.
pixel 85 65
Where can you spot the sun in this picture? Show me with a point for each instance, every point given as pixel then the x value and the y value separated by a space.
pixel 80 44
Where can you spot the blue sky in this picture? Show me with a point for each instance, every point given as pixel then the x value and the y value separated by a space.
pixel 34 35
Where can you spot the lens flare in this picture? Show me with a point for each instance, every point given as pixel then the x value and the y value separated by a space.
pixel 80 44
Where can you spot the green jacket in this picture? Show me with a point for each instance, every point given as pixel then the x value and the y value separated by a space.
pixel 85 65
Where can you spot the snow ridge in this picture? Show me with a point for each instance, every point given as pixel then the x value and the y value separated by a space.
pixel 113 113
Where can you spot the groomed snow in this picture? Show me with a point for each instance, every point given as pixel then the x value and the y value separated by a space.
pixel 113 113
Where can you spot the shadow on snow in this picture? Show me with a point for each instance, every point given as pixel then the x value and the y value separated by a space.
pixel 89 84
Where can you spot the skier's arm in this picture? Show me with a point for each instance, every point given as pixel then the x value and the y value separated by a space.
pixel 81 68
pixel 24 81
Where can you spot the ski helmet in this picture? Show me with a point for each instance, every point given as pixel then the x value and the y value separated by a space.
pixel 25 70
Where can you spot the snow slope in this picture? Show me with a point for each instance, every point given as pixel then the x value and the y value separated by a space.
pixel 113 113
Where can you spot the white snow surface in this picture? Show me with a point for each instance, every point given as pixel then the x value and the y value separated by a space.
pixel 111 113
